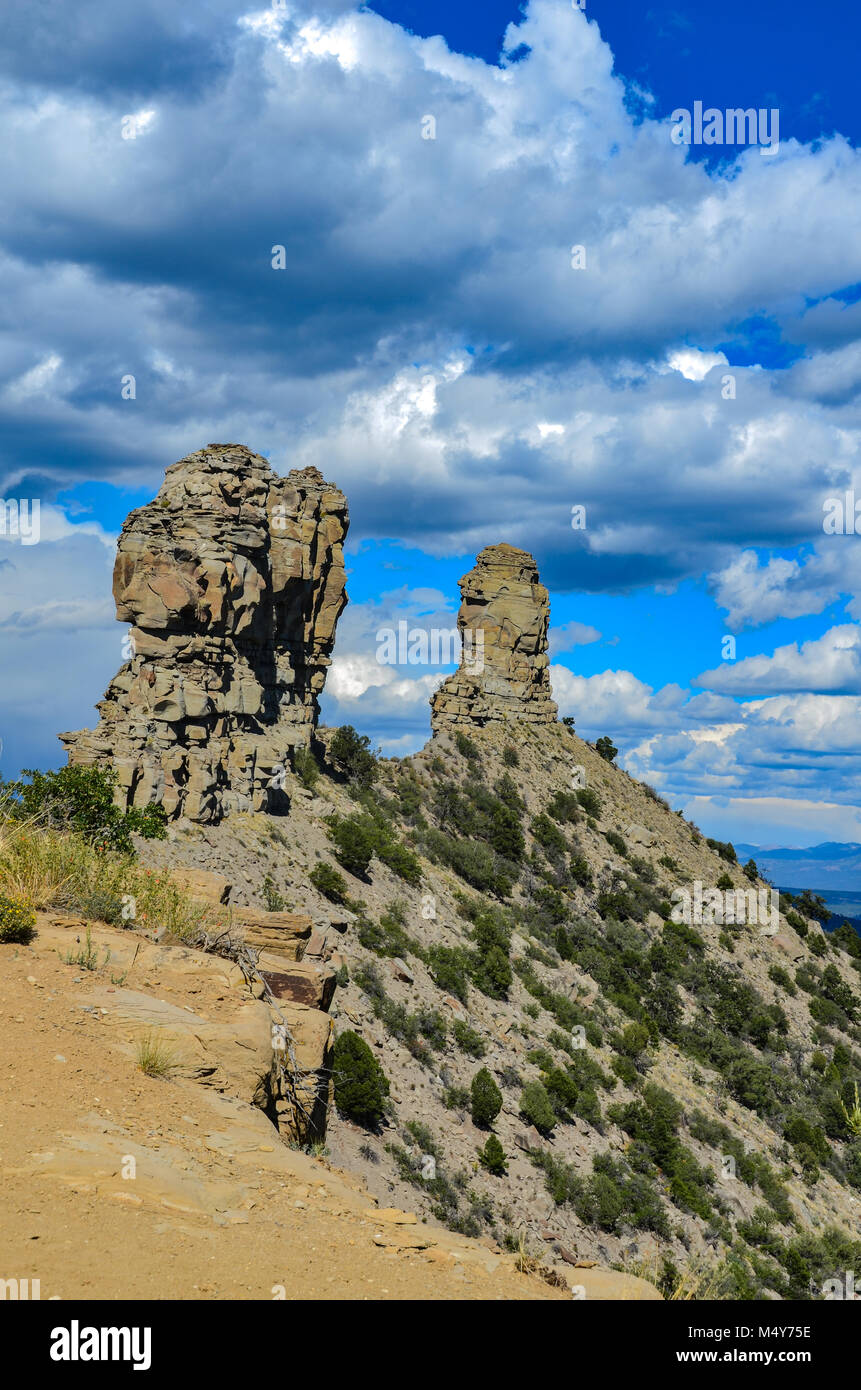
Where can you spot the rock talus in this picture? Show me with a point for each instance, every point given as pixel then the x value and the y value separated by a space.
pixel 233 581
pixel 504 671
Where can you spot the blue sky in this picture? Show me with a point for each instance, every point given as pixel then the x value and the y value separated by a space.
pixel 432 348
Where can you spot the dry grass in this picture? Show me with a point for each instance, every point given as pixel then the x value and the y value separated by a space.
pixel 58 869
pixel 155 1057
pixel 696 1282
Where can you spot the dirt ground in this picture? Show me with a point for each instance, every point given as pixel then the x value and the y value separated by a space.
pixel 117 1185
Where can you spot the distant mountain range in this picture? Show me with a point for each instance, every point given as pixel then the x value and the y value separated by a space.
pixel 832 869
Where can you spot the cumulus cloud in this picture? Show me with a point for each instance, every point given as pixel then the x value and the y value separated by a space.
pixel 756 590
pixel 431 346
pixel 428 342
pixel 573 634
pixel 831 662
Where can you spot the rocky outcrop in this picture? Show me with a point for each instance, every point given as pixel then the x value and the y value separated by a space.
pixel 503 620
pixel 233 580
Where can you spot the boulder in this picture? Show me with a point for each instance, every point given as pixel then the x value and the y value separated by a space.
pixel 302 982
pixel 283 934
pixel 203 885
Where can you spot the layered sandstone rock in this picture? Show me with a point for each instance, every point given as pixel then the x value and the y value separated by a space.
pixel 233 580
pixel 503 620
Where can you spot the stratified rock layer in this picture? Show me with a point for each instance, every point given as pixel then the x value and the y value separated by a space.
pixel 503 620
pixel 233 580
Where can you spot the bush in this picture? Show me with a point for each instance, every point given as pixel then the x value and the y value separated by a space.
pixel 468 1040
pixel 606 749
pixel 355 842
pixel 361 1086
pixel 724 849
pixel 506 836
pixel 449 966
pixel 535 1107
pixel 590 801
pixel 614 839
pixel 466 747
pixel 306 769
pixel 81 799
pixel 17 920
pixel 351 753
pixel 548 836
pixel 456 1098
pixel 485 1099
pixel 271 895
pixel 781 977
pixel 491 967
pixel 510 757
pixel 492 1157
pixel 752 1084
pixel 329 882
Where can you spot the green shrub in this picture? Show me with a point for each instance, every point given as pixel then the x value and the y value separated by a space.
pixel 351 753
pixel 625 1069
pixel 466 747
pixel 354 840
pixel 506 836
pixel 399 858
pixel 752 1084
pixel 492 1157
pixel 548 836
pixel 306 769
pixel 633 1040
pixel 467 1039
pixel 456 1098
pixel 781 977
pixel 385 938
pixel 535 1106
pixel 17 920
pixel 510 757
pixel 590 801
pixel 724 849
pixel 606 749
pixel 81 799
pixel 618 844
pixel 485 1099
pixel 271 896
pixel 329 882
pixel 449 966
pixel 491 967
pixel 361 1086
pixel 580 871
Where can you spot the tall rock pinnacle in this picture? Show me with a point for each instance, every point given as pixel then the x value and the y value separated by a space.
pixel 233 580
pixel 503 620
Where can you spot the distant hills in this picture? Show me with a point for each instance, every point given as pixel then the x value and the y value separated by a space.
pixel 832 869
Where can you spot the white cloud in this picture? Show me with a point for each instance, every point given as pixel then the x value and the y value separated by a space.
pixel 694 364
pixel 831 662
pixel 572 634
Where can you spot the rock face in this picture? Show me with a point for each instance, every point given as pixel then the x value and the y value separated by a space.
pixel 233 580
pixel 503 620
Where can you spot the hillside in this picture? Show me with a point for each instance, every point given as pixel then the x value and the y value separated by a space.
pixel 707 1049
